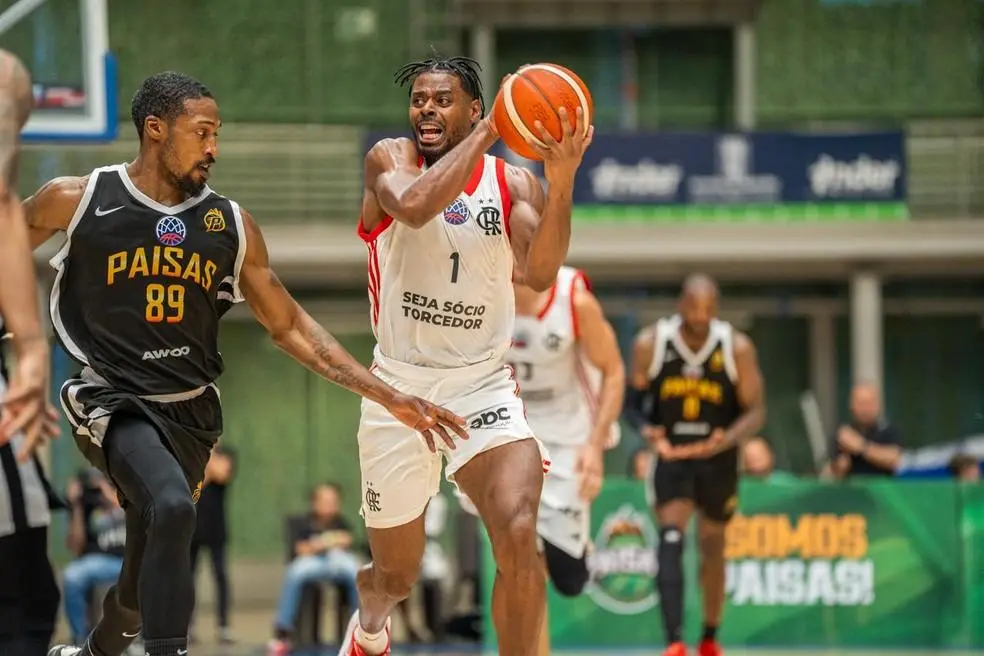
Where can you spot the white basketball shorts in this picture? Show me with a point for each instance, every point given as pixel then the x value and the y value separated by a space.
pixel 399 473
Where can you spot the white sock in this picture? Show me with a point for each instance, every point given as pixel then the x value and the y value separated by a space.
pixel 373 644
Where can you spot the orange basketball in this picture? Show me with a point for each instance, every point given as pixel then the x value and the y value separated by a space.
pixel 534 93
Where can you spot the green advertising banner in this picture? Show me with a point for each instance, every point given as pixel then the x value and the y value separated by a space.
pixel 881 563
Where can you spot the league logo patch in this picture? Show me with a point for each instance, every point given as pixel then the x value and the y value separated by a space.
pixel 171 230
pixel 457 212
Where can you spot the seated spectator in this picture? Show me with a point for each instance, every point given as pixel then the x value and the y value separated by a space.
pixel 868 445
pixel 759 463
pixel 323 554
pixel 965 468
pixel 96 535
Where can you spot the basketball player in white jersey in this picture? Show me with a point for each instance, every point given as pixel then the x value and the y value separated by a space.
pixel 446 225
pixel 572 381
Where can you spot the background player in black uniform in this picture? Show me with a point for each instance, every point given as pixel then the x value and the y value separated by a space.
pixel 706 395
pixel 152 260
pixel 28 593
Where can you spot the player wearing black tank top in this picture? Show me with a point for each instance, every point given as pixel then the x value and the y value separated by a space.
pixel 706 396
pixel 152 260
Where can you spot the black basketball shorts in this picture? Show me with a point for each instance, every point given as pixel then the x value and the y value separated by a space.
pixel 188 427
pixel 712 484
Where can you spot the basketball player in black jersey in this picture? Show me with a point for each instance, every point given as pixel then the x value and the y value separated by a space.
pixel 705 394
pixel 152 260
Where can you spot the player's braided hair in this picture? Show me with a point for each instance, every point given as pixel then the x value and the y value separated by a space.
pixel 466 68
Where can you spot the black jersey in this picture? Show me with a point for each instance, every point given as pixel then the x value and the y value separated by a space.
pixel 141 286
pixel 693 393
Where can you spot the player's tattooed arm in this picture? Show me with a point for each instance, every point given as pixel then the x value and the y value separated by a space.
pixel 597 339
pixel 294 331
pixel 51 208
pixel 395 186
pixel 751 394
pixel 540 226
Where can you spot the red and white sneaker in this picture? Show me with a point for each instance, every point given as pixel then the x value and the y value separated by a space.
pixel 709 648
pixel 676 649
pixel 277 647
pixel 352 648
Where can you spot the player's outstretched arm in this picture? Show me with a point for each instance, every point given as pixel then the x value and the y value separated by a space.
pixel 51 208
pixel 24 405
pixel 751 394
pixel 541 222
pixel 294 331
pixel 395 184
pixel 18 287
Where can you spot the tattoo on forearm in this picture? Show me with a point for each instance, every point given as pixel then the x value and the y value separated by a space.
pixel 336 365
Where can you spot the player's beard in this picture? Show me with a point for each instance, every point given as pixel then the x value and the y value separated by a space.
pixel 186 183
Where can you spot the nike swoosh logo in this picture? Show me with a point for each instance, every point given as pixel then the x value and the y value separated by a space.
pixel 130 635
pixel 101 212
pixel 182 652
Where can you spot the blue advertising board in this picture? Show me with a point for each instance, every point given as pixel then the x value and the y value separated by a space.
pixel 760 169
pixel 738 169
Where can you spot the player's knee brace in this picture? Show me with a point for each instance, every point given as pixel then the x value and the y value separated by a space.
pixel 669 557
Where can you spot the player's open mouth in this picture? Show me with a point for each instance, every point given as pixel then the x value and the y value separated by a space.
pixel 429 133
pixel 204 169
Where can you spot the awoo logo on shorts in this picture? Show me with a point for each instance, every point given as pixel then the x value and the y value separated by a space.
pixel 161 354
pixel 490 419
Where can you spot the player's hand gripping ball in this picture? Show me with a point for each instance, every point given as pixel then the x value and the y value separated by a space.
pixel 534 93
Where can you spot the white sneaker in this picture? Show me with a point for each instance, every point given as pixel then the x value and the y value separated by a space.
pixel 350 647
pixel 64 650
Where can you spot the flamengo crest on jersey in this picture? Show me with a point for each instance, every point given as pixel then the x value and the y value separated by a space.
pixel 441 295
pixel 557 382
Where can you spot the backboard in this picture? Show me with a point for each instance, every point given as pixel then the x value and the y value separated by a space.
pixel 65 45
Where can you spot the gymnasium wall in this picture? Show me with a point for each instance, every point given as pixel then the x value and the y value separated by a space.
pixel 333 62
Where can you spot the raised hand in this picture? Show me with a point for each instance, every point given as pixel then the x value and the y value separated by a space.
pixel 561 159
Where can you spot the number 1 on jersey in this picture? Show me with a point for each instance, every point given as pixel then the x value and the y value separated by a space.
pixel 159 296
pixel 455 260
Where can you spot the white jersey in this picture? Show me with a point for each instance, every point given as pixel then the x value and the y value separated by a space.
pixel 441 296
pixel 558 384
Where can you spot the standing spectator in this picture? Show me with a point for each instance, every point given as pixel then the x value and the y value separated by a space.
pixel 868 445
pixel 212 531
pixel 97 537
pixel 324 553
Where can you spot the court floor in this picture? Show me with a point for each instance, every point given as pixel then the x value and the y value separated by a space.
pixel 456 650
